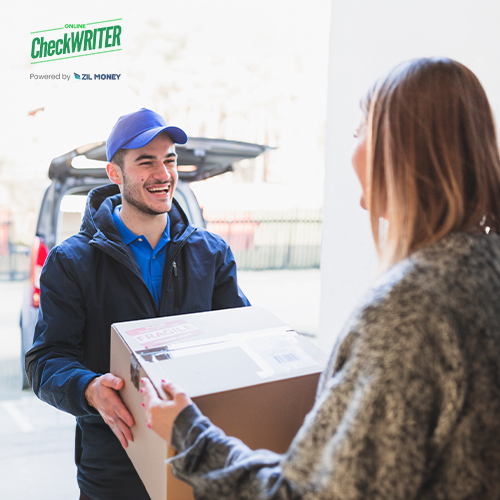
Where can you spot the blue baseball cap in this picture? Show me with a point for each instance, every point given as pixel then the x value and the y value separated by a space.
pixel 135 130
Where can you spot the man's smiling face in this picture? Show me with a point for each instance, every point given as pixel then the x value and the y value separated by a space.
pixel 148 177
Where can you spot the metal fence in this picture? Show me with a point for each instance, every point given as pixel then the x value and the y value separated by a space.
pixel 14 259
pixel 280 239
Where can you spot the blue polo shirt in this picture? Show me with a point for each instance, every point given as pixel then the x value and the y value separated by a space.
pixel 151 261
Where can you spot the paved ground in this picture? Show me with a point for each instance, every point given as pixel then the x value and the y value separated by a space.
pixel 36 452
pixel 36 440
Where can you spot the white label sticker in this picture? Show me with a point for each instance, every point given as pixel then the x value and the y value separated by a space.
pixel 283 354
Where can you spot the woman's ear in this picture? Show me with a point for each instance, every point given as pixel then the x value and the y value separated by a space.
pixel 114 173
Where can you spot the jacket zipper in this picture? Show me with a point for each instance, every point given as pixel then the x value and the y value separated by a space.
pixel 177 300
pixel 176 288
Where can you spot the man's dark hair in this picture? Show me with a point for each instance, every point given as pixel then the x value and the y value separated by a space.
pixel 118 157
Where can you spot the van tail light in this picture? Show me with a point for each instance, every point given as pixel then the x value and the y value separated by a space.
pixel 39 253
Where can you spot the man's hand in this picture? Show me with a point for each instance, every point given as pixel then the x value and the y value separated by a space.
pixel 102 394
pixel 161 415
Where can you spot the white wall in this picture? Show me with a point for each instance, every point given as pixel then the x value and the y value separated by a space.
pixel 367 39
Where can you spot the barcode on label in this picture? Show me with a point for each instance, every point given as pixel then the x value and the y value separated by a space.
pixel 288 357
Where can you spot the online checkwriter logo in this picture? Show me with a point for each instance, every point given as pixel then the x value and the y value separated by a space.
pixel 77 41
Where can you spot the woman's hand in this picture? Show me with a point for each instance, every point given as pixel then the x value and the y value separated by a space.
pixel 160 414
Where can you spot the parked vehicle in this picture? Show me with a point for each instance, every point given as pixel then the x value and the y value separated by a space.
pixel 74 174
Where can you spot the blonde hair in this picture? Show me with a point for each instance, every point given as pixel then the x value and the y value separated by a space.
pixel 432 156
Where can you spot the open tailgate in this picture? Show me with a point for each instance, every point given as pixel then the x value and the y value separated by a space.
pixel 200 158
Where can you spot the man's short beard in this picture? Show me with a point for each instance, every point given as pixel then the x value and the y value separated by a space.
pixel 142 208
pixel 133 202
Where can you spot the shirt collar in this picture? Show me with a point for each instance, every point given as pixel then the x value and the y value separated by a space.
pixel 127 235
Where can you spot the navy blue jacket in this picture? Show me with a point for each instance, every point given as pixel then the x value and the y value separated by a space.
pixel 92 280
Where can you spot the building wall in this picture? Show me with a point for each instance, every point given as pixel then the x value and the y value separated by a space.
pixel 367 39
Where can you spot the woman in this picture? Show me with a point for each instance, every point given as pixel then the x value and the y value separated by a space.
pixel 409 404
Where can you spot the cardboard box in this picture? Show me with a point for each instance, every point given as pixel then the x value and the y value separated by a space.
pixel 249 372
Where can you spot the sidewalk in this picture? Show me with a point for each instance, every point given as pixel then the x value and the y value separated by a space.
pixel 36 440
pixel 36 451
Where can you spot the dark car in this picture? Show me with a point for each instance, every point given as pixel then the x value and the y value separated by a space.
pixel 76 173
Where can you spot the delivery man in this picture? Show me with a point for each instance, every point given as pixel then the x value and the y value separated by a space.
pixel 136 256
